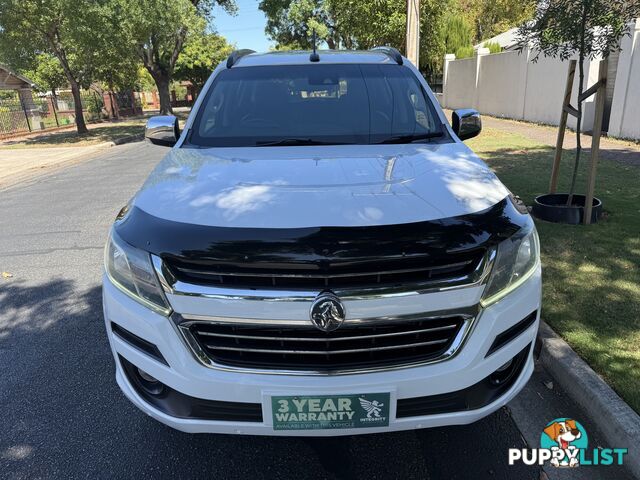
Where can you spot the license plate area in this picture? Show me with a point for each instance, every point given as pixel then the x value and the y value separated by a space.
pixel 329 412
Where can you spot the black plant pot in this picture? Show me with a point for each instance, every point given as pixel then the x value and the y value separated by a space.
pixel 553 207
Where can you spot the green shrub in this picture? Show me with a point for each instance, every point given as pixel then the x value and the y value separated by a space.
pixel 494 47
pixel 457 33
pixel 465 52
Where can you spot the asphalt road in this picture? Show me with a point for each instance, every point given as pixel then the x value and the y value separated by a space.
pixel 61 412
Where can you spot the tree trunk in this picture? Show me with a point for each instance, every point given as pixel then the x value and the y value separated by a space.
pixel 162 82
pixel 77 105
pixel 579 119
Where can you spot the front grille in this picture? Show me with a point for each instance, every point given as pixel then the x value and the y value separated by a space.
pixel 406 271
pixel 352 346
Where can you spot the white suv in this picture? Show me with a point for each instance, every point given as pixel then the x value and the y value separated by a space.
pixel 320 254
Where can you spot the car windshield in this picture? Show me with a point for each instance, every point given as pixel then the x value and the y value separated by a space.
pixel 314 105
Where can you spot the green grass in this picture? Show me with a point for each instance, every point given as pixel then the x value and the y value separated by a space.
pixel 591 274
pixel 98 133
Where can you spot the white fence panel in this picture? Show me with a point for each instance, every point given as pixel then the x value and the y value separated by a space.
pixel 546 80
pixel 461 83
pixel 625 108
pixel 511 85
pixel 502 83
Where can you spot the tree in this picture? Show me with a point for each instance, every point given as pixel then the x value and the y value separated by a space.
pixel 355 24
pixel 590 28
pixel 201 54
pixel 457 33
pixel 491 17
pixel 385 22
pixel 290 23
pixel 47 73
pixel 69 30
pixel 157 29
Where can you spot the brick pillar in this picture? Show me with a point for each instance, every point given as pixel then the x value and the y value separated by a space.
pixel 110 105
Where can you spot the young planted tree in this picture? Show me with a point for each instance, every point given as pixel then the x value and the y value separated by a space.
pixel 157 30
pixel 68 30
pixel 589 28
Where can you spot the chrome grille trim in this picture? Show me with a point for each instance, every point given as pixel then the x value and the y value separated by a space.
pixel 336 352
pixel 325 340
pixel 470 315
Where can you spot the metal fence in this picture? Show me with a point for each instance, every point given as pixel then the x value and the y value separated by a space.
pixel 20 116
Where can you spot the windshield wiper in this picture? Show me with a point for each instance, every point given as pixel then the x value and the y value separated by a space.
pixel 412 138
pixel 294 142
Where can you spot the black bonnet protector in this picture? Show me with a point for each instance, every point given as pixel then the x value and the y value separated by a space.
pixel 322 249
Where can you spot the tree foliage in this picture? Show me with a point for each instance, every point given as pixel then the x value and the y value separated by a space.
pixel 491 17
pixel 465 52
pixel 588 28
pixel 457 34
pixel 46 73
pixel 494 47
pixel 290 23
pixel 71 31
pixel 354 24
pixel 202 52
pixel 157 29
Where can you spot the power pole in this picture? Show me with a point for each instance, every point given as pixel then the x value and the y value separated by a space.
pixel 413 31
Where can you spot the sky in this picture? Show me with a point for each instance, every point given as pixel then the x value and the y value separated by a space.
pixel 246 29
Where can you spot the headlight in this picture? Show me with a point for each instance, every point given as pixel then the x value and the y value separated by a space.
pixel 130 270
pixel 516 260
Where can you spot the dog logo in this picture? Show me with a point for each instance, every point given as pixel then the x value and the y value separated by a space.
pixel 327 312
pixel 563 443
pixel 373 408
pixel 565 438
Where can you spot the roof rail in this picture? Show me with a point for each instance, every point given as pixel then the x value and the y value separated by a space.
pixel 237 55
pixel 390 52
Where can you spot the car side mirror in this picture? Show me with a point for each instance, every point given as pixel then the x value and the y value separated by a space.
pixel 466 123
pixel 162 130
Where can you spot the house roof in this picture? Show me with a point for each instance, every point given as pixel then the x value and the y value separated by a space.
pixel 10 80
pixel 507 40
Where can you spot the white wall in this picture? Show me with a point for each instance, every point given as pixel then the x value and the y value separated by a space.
pixel 461 82
pixel 502 83
pixel 625 108
pixel 546 80
pixel 513 85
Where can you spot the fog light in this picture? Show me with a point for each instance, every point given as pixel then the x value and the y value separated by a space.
pixel 146 376
pixel 502 374
pixel 505 366
pixel 150 383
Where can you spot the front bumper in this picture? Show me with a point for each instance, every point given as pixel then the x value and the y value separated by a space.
pixel 189 377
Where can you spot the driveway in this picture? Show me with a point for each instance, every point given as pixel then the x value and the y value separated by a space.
pixel 62 415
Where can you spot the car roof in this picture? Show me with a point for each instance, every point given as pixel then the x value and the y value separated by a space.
pixel 301 57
